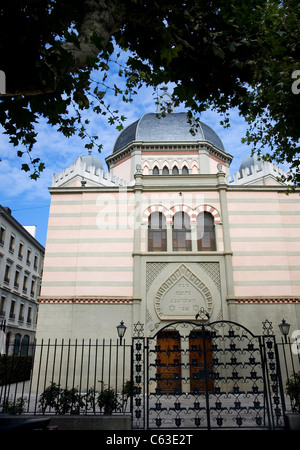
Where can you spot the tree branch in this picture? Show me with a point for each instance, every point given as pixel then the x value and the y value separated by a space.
pixel 101 19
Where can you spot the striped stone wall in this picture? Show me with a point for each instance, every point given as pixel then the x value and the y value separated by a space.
pixel 89 246
pixel 265 240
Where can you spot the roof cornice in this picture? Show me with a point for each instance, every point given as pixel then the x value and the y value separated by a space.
pixel 168 147
pixel 20 228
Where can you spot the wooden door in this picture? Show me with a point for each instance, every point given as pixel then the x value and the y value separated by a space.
pixel 168 362
pixel 197 366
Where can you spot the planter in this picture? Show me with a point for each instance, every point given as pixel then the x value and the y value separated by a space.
pixel 292 421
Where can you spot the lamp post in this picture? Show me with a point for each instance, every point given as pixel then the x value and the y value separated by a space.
pixel 121 331
pixel 284 328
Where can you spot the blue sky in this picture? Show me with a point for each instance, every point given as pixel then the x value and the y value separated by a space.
pixel 29 200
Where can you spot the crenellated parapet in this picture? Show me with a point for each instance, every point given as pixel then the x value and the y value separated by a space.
pixel 86 171
pixel 254 171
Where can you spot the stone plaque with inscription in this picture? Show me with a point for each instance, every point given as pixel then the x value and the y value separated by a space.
pixel 182 295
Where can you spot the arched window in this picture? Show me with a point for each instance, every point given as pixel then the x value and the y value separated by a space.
pixel 185 170
pixel 17 343
pixel 8 342
pixel 155 170
pixel 25 345
pixel 206 232
pixel 175 170
pixel 165 170
pixel 181 232
pixel 157 232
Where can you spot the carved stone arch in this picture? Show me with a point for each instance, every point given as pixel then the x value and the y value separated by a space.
pixel 181 208
pixel 195 167
pixel 155 165
pixel 165 165
pixel 154 208
pixel 186 165
pixel 210 209
pixel 146 168
pixel 175 167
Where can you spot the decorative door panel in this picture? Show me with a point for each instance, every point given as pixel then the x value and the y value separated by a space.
pixel 168 362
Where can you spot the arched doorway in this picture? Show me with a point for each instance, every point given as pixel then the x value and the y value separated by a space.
pixel 206 375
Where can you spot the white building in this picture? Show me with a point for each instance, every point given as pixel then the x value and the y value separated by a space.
pixel 21 263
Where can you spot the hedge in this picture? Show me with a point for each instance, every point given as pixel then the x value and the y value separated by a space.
pixel 15 368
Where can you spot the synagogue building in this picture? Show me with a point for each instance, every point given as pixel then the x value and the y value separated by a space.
pixel 168 234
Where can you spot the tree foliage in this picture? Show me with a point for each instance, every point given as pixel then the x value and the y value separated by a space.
pixel 219 54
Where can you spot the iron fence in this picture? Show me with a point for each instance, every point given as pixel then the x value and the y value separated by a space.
pixel 66 377
pixel 289 356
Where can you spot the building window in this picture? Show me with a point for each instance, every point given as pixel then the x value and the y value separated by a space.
pixel 33 286
pixel 206 232
pixel 35 264
pixel 175 170
pixel 2 235
pixel 157 233
pixel 21 250
pixel 181 232
pixel 2 306
pixel 29 316
pixel 25 284
pixel 12 243
pixel 28 260
pixel 185 170
pixel 12 314
pixel 25 345
pixel 17 279
pixel 155 170
pixel 7 273
pixel 17 344
pixel 165 170
pixel 21 313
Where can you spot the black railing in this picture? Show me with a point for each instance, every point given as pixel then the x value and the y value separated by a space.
pixel 59 377
pixel 289 354
pixel 65 377
pixel 289 357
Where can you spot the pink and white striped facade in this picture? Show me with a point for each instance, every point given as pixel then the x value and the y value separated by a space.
pixel 98 269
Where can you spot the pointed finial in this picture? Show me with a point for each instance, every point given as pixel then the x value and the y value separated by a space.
pixel 163 104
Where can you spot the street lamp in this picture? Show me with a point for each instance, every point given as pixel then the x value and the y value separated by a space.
pixel 121 331
pixel 284 328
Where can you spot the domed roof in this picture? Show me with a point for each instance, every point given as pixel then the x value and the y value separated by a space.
pixel 248 162
pixel 173 127
pixel 90 160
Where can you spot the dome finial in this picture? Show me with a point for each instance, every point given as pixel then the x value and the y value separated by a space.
pixel 165 105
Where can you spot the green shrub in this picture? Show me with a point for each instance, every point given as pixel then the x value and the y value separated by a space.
pixel 14 407
pixel 62 400
pixel 293 391
pixel 65 401
pixel 108 401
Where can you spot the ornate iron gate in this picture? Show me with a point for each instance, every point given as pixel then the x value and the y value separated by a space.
pixel 218 375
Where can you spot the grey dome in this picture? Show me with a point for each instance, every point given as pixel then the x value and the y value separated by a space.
pixel 248 162
pixel 173 127
pixel 90 160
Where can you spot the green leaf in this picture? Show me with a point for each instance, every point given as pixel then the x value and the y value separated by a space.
pixel 25 167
